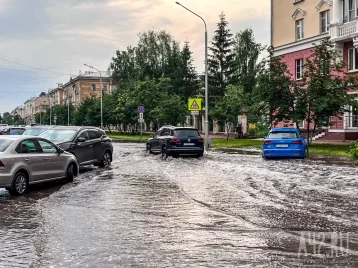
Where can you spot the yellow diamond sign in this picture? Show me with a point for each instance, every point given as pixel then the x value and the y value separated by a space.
pixel 194 104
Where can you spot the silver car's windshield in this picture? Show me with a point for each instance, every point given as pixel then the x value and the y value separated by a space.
pixel 4 144
pixel 58 135
pixel 34 131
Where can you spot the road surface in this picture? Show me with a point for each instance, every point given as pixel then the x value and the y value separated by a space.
pixel 223 210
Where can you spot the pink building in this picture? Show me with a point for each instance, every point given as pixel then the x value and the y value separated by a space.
pixel 297 24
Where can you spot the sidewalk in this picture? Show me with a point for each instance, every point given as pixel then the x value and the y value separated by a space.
pixel 222 136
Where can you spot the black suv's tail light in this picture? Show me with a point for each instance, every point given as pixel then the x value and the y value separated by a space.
pixel 200 140
pixel 174 139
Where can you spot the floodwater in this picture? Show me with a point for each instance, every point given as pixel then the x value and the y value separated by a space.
pixel 222 210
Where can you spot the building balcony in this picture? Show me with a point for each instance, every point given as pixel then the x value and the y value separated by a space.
pixel 344 32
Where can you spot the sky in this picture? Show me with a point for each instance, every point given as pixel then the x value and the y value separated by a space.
pixel 43 42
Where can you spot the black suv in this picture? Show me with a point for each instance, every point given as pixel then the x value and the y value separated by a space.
pixel 173 141
pixel 90 145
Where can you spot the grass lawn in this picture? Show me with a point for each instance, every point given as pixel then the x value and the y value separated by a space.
pixel 316 148
pixel 129 137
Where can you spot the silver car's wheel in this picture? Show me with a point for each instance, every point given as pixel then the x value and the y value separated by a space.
pixel 19 184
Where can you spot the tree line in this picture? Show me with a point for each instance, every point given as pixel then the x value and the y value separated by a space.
pixel 158 73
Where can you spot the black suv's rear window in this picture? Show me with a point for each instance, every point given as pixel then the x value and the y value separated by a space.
pixel 283 135
pixel 4 144
pixel 186 133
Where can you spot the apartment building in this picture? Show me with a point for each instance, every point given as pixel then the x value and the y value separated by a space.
pixel 297 24
pixel 29 111
pixel 55 95
pixel 85 85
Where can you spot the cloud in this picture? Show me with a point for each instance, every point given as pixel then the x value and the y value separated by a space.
pixel 65 34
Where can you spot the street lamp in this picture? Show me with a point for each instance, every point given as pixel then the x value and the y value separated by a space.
pixel 206 77
pixel 100 81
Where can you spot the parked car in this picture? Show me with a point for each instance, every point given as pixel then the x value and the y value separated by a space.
pixel 36 130
pixel 28 160
pixel 284 142
pixel 90 145
pixel 3 128
pixel 15 130
pixel 175 141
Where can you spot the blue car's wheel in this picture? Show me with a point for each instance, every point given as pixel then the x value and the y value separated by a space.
pixel 306 153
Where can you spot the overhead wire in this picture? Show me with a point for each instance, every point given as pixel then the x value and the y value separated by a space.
pixel 32 63
pixel 32 67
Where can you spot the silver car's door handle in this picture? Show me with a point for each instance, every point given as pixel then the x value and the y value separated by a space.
pixel 27 159
pixel 47 158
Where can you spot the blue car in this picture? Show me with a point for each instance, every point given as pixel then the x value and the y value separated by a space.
pixel 284 142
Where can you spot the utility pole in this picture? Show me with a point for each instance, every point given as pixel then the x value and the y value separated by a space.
pixel 206 78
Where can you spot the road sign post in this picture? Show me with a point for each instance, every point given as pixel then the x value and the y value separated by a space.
pixel 141 120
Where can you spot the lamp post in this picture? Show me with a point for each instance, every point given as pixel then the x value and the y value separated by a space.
pixel 101 92
pixel 206 77
pixel 49 101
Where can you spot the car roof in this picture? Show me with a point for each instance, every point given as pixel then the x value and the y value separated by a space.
pixel 75 127
pixel 177 127
pixel 284 129
pixel 40 126
pixel 14 137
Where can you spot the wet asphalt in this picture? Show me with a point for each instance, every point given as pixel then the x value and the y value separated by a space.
pixel 222 210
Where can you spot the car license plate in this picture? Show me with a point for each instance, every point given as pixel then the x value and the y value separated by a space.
pixel 188 144
pixel 282 145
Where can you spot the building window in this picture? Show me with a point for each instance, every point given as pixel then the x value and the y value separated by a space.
pixel 349 10
pixel 104 87
pixel 324 21
pixel 299 69
pixel 352 59
pixel 93 87
pixel 299 29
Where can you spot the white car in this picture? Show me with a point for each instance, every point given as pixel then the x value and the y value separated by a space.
pixel 3 127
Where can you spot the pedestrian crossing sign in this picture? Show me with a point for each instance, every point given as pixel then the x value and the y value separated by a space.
pixel 194 104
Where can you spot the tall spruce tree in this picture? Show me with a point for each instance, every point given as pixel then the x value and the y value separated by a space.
pixel 189 79
pixel 221 60
pixel 247 52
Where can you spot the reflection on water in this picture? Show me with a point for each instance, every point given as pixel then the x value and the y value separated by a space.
pixel 224 210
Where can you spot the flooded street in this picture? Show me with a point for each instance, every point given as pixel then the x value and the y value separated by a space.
pixel 224 210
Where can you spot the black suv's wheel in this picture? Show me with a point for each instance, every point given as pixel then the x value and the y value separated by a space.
pixel 19 184
pixel 149 148
pixel 69 173
pixel 106 160
pixel 165 152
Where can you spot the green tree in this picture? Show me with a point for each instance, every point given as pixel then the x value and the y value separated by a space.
pixel 7 118
pixel 184 77
pixel 247 51
pixel 323 92
pixel 221 60
pixel 229 107
pixel 43 117
pixel 157 97
pixel 275 93
pixel 61 114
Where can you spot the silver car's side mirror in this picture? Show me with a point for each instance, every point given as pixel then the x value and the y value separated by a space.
pixel 60 150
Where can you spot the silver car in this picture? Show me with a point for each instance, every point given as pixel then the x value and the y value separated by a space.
pixel 26 160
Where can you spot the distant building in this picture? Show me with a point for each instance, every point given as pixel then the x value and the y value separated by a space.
pixel 74 92
pixel 85 85
pixel 297 24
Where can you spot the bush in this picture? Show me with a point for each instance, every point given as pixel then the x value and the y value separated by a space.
pixel 353 148
pixel 258 130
